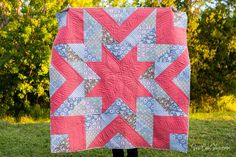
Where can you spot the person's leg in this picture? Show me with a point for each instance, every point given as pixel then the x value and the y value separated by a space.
pixel 118 152
pixel 132 152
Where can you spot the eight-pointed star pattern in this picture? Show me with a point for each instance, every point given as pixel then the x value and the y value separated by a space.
pixel 119 78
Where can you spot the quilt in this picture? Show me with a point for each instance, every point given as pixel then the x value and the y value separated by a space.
pixel 119 78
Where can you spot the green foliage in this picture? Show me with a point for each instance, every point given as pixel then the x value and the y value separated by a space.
pixel 215 60
pixel 27 31
pixel 227 102
pixel 213 56
pixel 28 28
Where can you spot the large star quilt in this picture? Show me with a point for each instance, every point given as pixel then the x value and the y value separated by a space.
pixel 119 78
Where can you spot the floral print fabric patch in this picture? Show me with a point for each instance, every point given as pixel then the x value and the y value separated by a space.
pixel 119 78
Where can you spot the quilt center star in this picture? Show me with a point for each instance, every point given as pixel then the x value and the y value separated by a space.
pixel 119 79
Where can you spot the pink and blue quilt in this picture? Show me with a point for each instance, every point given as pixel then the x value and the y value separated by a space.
pixel 119 78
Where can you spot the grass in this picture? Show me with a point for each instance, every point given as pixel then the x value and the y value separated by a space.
pixel 212 134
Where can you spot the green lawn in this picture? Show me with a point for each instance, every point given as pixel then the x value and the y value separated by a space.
pixel 211 134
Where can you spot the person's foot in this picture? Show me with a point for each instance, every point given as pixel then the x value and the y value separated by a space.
pixel 132 152
pixel 118 152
